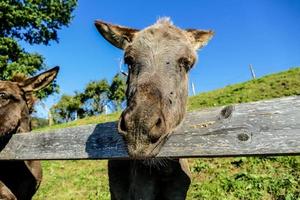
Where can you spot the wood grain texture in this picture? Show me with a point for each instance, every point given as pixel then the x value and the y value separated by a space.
pixel 269 127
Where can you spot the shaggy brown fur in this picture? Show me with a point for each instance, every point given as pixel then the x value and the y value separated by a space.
pixel 19 179
pixel 159 58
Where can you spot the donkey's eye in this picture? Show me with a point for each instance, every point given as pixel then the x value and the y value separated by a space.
pixel 4 99
pixel 3 95
pixel 185 63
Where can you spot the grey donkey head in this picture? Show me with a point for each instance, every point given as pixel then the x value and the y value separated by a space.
pixel 159 58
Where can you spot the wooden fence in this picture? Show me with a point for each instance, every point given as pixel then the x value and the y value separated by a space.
pixel 270 127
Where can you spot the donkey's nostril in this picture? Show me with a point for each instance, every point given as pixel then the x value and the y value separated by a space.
pixel 153 140
pixel 158 123
pixel 156 131
pixel 122 126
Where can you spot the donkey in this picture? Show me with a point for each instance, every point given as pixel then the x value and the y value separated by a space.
pixel 19 179
pixel 159 58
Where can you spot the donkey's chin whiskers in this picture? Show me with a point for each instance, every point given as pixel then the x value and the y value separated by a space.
pixel 156 163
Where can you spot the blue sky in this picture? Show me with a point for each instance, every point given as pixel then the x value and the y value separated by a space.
pixel 263 33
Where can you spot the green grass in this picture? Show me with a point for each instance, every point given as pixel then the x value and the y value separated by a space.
pixel 85 121
pixel 264 178
pixel 73 180
pixel 246 178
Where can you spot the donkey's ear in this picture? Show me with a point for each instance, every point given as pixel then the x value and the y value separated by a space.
pixel 200 37
pixel 40 81
pixel 118 36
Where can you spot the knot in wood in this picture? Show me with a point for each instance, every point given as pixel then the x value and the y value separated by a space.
pixel 243 137
pixel 226 112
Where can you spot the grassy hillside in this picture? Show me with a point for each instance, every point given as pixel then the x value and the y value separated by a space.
pixel 215 178
pixel 37 122
pixel 286 83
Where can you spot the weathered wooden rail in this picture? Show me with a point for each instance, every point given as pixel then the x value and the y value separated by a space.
pixel 269 127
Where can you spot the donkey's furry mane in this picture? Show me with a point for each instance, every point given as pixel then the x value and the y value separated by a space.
pixel 164 21
pixel 18 78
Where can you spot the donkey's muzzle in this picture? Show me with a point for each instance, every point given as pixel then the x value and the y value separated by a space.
pixel 142 126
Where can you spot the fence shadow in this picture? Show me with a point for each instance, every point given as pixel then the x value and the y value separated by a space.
pixel 105 142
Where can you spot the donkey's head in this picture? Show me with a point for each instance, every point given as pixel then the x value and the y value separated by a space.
pixel 159 58
pixel 16 101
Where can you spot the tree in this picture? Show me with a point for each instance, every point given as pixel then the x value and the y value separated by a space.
pixel 117 91
pixel 35 22
pixel 66 109
pixel 91 101
pixel 95 96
